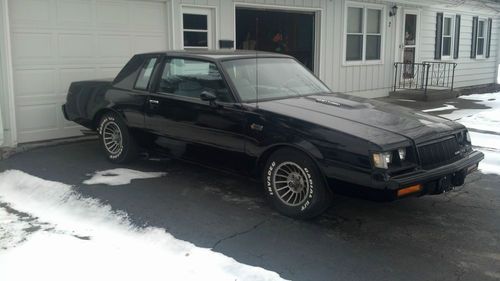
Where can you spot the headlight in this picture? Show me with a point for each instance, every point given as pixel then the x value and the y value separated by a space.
pixel 467 137
pixel 402 153
pixel 382 159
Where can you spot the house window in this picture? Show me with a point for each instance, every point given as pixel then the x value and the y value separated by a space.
pixel 447 40
pixel 364 33
pixel 195 31
pixel 481 38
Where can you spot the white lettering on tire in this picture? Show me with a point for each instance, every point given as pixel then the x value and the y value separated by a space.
pixel 269 183
pixel 268 178
pixel 311 190
pixel 100 131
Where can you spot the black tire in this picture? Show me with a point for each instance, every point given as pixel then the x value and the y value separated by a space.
pixel 126 149
pixel 315 192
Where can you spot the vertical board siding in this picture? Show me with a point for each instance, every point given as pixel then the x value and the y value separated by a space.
pixel 366 80
pixel 359 78
pixel 469 71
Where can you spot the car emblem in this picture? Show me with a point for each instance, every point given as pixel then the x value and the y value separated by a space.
pixel 256 127
pixel 330 102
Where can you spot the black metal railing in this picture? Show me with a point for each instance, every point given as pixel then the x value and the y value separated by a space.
pixel 424 75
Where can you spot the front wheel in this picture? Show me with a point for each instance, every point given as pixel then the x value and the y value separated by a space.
pixel 116 140
pixel 294 184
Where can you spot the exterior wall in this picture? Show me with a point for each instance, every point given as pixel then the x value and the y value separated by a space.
pixel 224 15
pixel 469 71
pixel 57 42
pixel 369 80
pixel 376 80
pixel 363 80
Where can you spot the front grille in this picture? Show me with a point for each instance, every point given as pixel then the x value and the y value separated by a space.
pixel 439 153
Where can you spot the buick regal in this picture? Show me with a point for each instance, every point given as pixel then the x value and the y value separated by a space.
pixel 265 115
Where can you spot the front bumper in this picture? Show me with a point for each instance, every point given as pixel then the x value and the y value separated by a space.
pixel 439 179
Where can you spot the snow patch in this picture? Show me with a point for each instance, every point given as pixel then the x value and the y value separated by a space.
pixel 87 240
pixel 490 146
pixel 445 107
pixel 120 176
pixel 491 162
pixel 406 100
pixel 487 121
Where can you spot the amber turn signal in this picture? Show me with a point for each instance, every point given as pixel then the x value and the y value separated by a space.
pixel 409 189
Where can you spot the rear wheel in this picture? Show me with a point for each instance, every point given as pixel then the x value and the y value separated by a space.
pixel 294 184
pixel 116 140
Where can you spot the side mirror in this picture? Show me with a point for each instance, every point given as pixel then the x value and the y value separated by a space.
pixel 208 96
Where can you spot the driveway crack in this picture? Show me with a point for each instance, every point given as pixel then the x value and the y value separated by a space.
pixel 234 235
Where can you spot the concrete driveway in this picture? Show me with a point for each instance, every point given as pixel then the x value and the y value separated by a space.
pixel 454 236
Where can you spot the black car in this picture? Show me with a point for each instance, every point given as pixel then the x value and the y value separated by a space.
pixel 267 116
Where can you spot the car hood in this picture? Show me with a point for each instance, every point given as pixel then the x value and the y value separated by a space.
pixel 331 109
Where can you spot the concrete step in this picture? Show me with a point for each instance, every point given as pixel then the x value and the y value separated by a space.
pixel 431 95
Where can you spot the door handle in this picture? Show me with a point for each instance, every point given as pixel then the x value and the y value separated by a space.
pixel 154 102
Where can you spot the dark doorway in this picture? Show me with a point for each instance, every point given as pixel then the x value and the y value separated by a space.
pixel 289 33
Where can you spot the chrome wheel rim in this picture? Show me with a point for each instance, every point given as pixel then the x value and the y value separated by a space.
pixel 112 138
pixel 290 184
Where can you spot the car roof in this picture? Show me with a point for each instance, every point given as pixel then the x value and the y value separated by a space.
pixel 218 54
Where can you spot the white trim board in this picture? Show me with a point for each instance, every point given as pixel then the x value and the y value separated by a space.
pixel 7 77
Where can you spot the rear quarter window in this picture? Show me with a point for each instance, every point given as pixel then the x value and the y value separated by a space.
pixel 144 78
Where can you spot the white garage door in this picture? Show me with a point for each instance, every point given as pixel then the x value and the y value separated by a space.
pixel 55 42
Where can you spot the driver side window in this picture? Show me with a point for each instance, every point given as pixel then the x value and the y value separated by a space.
pixel 189 78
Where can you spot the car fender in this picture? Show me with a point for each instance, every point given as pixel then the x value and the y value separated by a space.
pixel 100 112
pixel 300 144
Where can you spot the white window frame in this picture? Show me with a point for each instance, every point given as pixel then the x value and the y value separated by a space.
pixel 484 37
pixel 365 7
pixel 204 11
pixel 451 36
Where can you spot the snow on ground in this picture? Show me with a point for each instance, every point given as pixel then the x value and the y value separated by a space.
pixel 489 145
pixel 120 176
pixel 445 107
pixel 484 127
pixel 48 231
pixel 480 119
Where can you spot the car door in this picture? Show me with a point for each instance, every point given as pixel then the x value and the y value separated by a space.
pixel 191 128
pixel 130 92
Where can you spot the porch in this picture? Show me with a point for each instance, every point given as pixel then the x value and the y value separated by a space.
pixel 424 81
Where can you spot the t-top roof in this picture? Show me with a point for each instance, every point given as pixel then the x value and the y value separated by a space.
pixel 218 54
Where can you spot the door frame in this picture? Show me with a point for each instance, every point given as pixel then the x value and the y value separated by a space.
pixel 318 23
pixel 400 22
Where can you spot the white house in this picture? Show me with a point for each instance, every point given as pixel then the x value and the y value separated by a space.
pixel 352 45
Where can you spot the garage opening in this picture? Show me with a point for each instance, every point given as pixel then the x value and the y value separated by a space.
pixel 285 32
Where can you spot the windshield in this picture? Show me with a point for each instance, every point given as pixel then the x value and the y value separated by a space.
pixel 277 78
